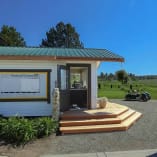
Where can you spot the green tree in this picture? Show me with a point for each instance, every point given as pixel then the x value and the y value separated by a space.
pixel 110 76
pixel 122 76
pixel 132 76
pixel 10 37
pixel 63 35
pixel 102 75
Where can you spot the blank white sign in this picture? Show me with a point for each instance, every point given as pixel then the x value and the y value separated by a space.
pixel 19 83
pixel 30 85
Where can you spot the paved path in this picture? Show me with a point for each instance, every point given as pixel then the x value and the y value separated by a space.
pixel 137 153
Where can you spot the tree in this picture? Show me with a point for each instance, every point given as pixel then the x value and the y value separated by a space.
pixel 102 75
pixel 10 37
pixel 122 76
pixel 63 35
pixel 110 76
pixel 132 76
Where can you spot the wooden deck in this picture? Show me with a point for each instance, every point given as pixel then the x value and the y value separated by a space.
pixel 114 117
pixel 112 110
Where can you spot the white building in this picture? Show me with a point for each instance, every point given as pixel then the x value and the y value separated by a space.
pixel 29 75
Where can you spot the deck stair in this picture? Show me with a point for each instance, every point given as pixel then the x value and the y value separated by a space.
pixel 118 118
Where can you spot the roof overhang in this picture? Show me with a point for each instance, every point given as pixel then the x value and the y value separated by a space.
pixel 75 54
pixel 49 58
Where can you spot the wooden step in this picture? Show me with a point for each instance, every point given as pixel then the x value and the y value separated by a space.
pixel 131 120
pixel 93 114
pixel 117 120
pixel 102 128
pixel 90 122
pixel 91 128
pixel 126 114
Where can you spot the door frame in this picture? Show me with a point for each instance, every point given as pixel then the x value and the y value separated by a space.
pixel 89 80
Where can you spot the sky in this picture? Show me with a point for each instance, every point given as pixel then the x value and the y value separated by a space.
pixel 126 27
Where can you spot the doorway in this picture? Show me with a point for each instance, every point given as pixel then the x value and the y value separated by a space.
pixel 74 82
pixel 80 85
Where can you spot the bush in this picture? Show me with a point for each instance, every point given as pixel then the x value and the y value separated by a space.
pixel 19 130
pixel 44 126
pixel 2 124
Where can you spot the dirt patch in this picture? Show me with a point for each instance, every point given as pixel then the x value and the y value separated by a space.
pixel 33 149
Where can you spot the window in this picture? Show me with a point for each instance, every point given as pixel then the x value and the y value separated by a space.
pixel 63 79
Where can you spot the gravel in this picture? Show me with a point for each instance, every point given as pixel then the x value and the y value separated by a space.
pixel 142 135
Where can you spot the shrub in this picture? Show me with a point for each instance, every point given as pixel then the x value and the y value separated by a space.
pixel 17 130
pixel 44 126
pixel 2 124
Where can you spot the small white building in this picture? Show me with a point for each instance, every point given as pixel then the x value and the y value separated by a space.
pixel 28 77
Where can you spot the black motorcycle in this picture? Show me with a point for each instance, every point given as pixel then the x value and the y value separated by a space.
pixel 144 96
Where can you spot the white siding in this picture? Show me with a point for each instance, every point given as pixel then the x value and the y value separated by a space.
pixel 41 108
pixel 25 108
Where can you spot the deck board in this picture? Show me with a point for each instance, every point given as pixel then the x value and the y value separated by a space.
pixel 102 121
pixel 112 110
pixel 128 122
pixel 114 117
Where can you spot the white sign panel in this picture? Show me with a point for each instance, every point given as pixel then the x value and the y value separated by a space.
pixel 30 85
pixel 21 85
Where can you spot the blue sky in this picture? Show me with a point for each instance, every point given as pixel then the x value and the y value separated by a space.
pixel 126 27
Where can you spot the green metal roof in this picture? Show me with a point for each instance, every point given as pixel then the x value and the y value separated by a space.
pixel 60 53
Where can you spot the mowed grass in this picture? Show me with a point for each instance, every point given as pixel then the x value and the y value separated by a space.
pixel 111 93
pixel 118 91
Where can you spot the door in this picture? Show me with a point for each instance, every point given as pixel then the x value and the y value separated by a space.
pixel 80 85
pixel 63 74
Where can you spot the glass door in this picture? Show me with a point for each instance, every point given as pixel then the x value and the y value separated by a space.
pixel 63 81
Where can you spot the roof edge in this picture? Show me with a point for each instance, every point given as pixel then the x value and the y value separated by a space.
pixel 3 57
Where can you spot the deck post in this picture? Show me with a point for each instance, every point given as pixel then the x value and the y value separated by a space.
pixel 56 104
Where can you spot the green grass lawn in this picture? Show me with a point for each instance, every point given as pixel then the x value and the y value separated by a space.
pixel 118 90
